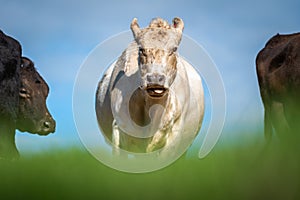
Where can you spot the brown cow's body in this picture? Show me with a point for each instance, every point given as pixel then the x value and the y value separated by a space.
pixel 278 70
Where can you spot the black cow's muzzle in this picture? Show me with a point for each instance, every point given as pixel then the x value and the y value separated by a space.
pixel 46 126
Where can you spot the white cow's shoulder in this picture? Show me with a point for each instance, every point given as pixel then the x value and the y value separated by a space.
pixel 104 83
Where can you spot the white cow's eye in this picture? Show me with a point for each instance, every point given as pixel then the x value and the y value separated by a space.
pixel 142 51
pixel 172 50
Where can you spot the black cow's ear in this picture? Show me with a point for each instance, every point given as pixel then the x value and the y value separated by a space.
pixel 27 63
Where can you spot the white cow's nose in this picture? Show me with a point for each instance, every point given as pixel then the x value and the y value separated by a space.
pixel 156 79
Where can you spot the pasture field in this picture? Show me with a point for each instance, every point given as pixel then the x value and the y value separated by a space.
pixel 245 172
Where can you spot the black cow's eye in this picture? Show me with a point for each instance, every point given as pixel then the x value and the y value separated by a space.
pixel 23 91
pixel 37 81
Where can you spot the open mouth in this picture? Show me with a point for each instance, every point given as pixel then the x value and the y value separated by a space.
pixel 156 90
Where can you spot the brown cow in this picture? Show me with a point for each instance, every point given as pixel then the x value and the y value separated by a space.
pixel 278 70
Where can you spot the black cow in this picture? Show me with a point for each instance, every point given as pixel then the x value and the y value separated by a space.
pixel 23 94
pixel 278 70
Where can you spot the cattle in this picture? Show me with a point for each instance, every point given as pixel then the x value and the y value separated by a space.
pixel 151 99
pixel 278 71
pixel 23 94
pixel 33 116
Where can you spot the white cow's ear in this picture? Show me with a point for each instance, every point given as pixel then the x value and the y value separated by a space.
pixel 178 24
pixel 135 28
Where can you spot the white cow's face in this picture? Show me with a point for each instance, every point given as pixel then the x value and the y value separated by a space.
pixel 157 55
pixel 157 69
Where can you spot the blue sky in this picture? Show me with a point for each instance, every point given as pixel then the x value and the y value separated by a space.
pixel 58 36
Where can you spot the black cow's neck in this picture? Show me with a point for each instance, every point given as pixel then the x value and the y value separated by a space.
pixel 8 148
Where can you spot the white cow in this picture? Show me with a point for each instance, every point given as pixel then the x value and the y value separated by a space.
pixel 151 99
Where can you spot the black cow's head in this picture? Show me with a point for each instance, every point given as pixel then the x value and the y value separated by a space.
pixel 33 116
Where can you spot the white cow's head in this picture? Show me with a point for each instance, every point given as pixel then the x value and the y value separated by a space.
pixel 157 55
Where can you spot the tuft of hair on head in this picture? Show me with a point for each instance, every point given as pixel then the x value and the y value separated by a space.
pixel 159 23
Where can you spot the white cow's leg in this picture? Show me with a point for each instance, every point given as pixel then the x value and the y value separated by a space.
pixel 116 141
pixel 157 142
pixel 173 140
pixel 166 133
pixel 115 138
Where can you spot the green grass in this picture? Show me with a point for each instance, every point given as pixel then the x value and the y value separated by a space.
pixel 249 172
